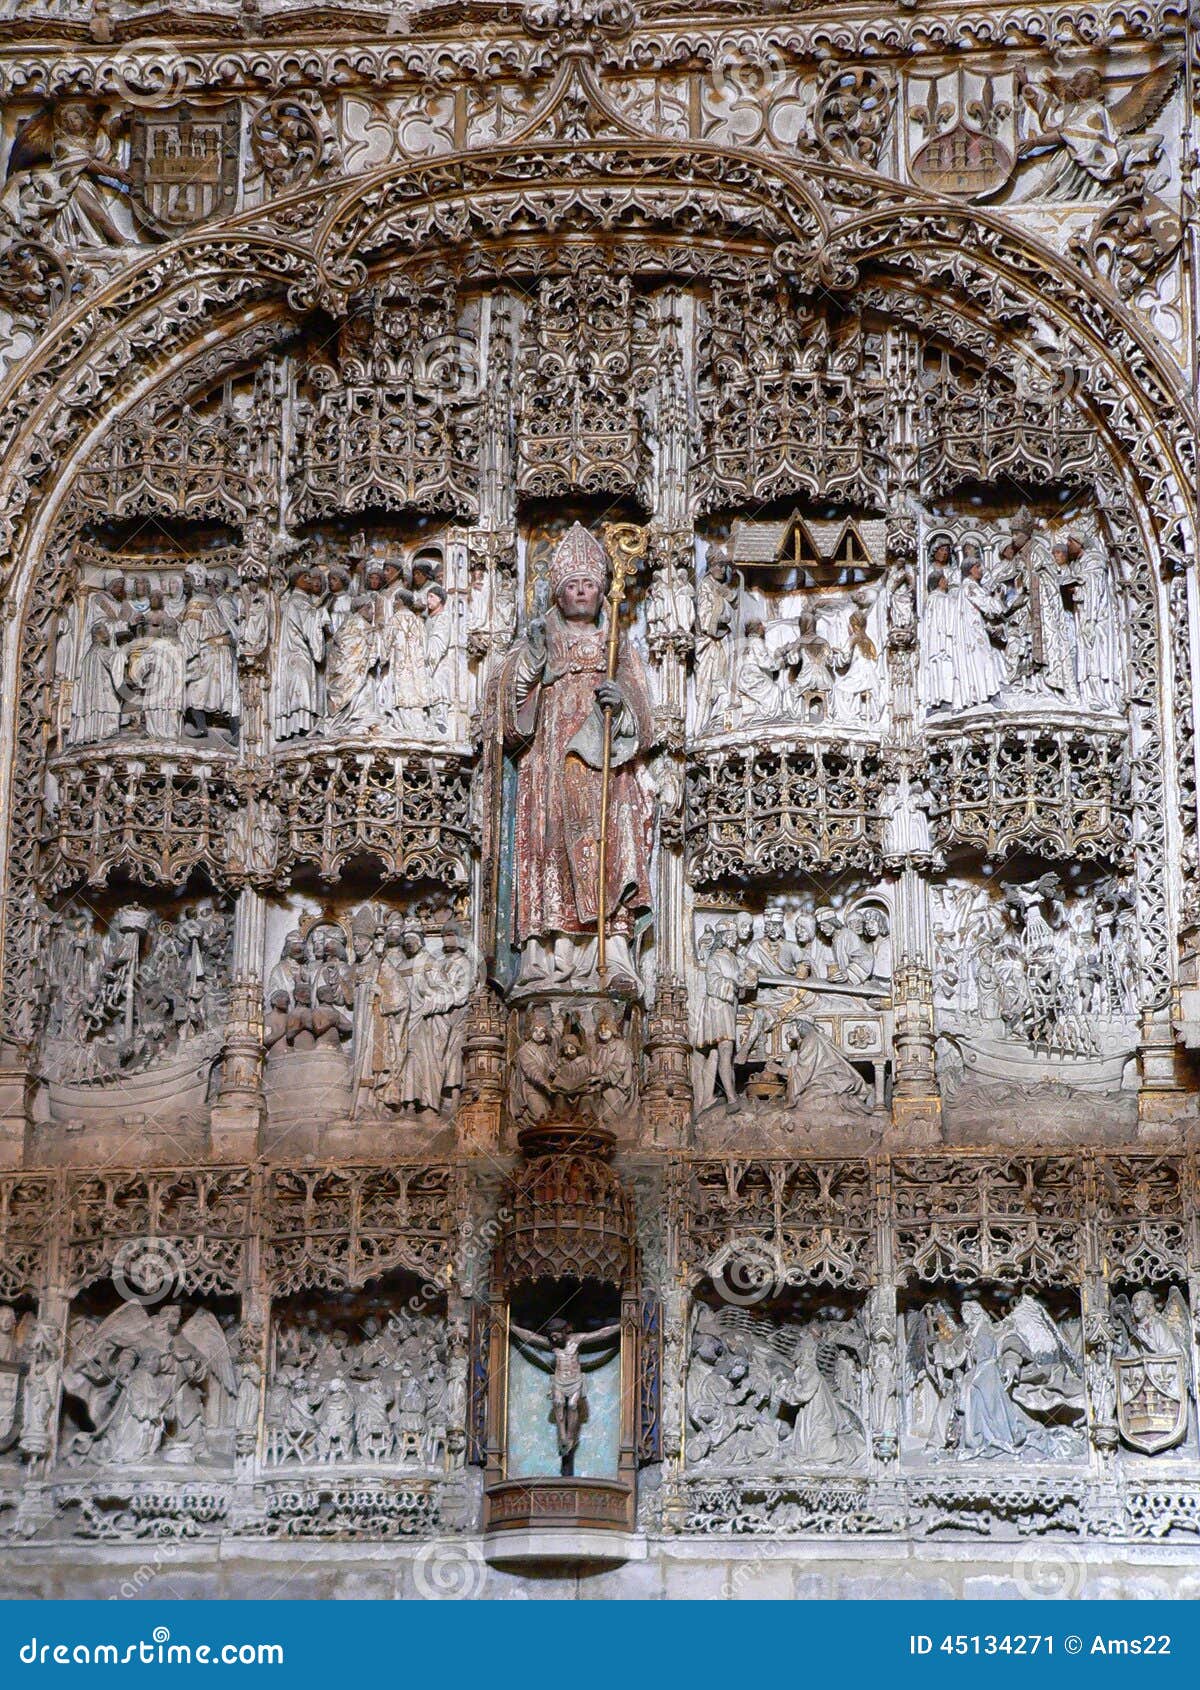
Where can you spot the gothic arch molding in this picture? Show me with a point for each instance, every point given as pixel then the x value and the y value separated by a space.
pixel 187 298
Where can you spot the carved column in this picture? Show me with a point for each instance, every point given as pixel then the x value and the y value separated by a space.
pixel 667 1092
pixel 484 1046
pixel 239 1111
pixel 916 1101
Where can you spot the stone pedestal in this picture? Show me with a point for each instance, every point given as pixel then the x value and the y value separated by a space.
pixel 916 1121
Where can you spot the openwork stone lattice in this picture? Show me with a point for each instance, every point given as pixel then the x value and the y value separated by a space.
pixel 763 813
pixel 618 572
pixel 1066 794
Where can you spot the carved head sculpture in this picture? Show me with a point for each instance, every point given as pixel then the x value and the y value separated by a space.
pixel 293 947
pixel 773 923
pixel 974 1315
pixel 451 939
pixel 718 562
pixel 744 928
pixel 412 941
pixel 827 922
pixel 558 1332
pixel 435 599
pixel 1022 524
pixel 539 1033
pixel 115 586
pixel 1142 1305
pixel 578 571
pixel 101 634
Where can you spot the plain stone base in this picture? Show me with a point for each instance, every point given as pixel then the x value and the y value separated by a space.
pixel 457 1568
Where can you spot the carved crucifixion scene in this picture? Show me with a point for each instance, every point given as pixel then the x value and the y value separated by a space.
pixel 600 844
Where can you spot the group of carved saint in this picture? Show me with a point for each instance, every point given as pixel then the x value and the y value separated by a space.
pixel 1040 620
pixel 974 1383
pixel 390 994
pixel 978 1377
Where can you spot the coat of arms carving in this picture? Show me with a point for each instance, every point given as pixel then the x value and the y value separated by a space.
pixel 185 164
pixel 1152 1402
pixel 11 1375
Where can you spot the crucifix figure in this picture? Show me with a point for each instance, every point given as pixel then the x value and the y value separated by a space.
pixel 557 1350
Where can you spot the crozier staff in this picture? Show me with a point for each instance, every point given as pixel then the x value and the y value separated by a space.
pixel 559 701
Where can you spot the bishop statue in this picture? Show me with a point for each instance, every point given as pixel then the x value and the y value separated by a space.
pixel 554 696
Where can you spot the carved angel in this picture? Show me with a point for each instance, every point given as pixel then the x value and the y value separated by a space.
pixel 64 182
pixel 143 1378
pixel 1148 1330
pixel 1101 139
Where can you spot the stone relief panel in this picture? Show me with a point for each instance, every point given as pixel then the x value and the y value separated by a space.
pixel 372 643
pixel 1034 991
pixel 143 1389
pixel 363 1380
pixel 150 656
pixel 1031 621
pixel 990 1378
pixel 135 1000
pixel 366 1011
pixel 793 1024
pixel 785 1389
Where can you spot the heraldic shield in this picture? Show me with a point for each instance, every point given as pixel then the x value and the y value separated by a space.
pixel 11 1375
pixel 185 165
pixel 1152 1402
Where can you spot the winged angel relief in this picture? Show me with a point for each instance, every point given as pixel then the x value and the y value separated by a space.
pixel 149 1386
pixel 1084 137
pixel 65 184
pixel 987 1387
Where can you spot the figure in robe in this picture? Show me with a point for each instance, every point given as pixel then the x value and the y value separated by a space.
pixel 716 608
pixel 356 658
pixel 304 631
pixel 207 635
pixel 937 630
pixel 856 693
pixel 760 697
pixel 814 1068
pixel 441 656
pixel 1053 646
pixel 96 700
pixel 404 690
pixel 1099 661
pixel 454 976
pixel 553 692
pixel 156 667
pixel 979 668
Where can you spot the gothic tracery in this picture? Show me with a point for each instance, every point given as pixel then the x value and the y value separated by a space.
pixel 600 658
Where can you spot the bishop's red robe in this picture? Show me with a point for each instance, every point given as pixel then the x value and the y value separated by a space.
pixel 555 725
